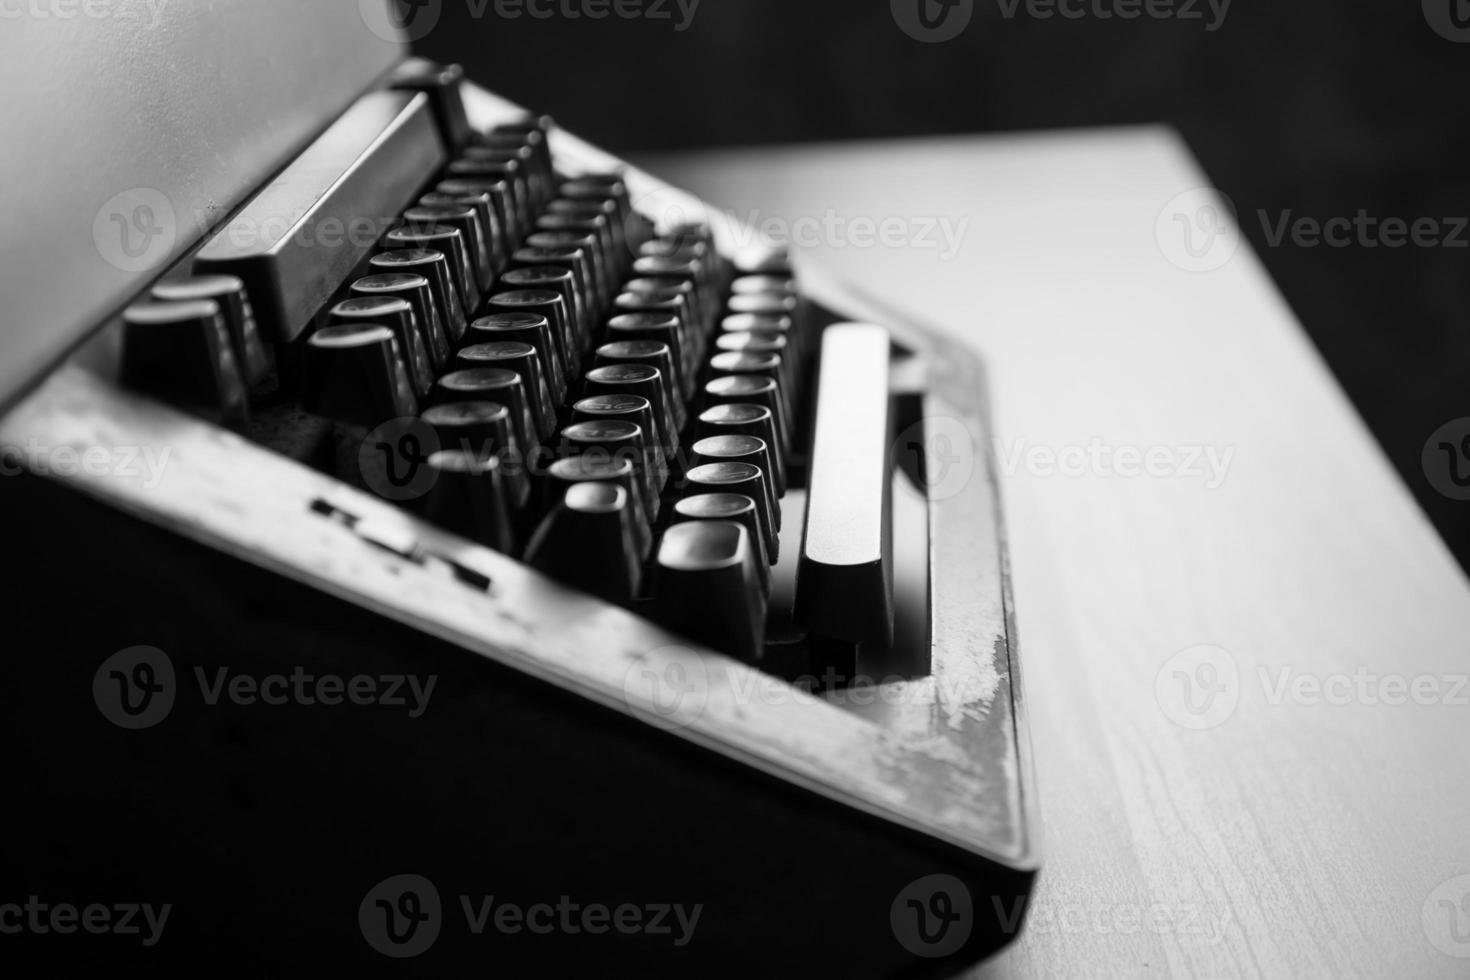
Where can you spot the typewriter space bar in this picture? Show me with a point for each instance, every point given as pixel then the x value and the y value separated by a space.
pixel 844 584
pixel 296 241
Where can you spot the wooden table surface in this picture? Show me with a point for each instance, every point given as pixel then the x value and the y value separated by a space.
pixel 1244 647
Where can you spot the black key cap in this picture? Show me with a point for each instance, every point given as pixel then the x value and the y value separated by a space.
pixel 464 218
pixel 492 196
pixel 589 232
pixel 590 541
pixel 708 587
pixel 764 304
pixel 440 238
pixel 574 259
pixel 510 171
pixel 753 389
pixel 563 474
pixel 397 315
pixel 771 366
pixel 494 385
pixel 484 429
pixel 497 245
pixel 746 420
pixel 596 277
pixel 729 507
pixel 654 354
pixel 607 210
pixel 470 498
pixel 744 449
pixel 639 379
pixel 370 162
pixel 557 279
pixel 844 587
pixel 743 478
pixel 662 328
pixel 763 342
pixel 251 355
pixel 415 290
pixel 628 408
pixel 433 265
pixel 523 359
pixel 539 174
pixel 181 352
pixel 355 374
pixel 615 439
pixel 690 271
pixel 527 328
pixel 545 303
pixel 783 285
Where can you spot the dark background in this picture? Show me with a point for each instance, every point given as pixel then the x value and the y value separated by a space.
pixel 1320 107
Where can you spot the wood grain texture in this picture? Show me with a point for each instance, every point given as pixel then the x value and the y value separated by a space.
pixel 1290 838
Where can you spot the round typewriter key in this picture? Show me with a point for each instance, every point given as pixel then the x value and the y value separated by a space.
pixel 627 408
pixel 539 172
pixel 355 375
pixel 433 265
pixel 451 243
pixel 763 260
pixel 692 272
pixel 484 429
pixel 527 328
pixel 605 209
pixel 182 352
pixel 518 192
pixel 470 498
pixel 598 275
pixel 759 365
pixel 546 303
pixel 579 264
pixel 729 507
pixel 466 220
pixel 566 473
pixel 396 314
pixel 590 541
pixel 746 420
pixel 742 478
pixel 523 359
pixel 763 342
pixel 491 226
pixel 416 291
pixel 494 385
pixel 753 389
pixel 644 380
pixel 595 228
pixel 661 328
pixel 655 354
pixel 251 354
pixel 615 439
pixel 559 279
pixel 742 449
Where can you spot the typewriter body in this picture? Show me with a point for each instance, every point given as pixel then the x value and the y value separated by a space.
pixel 731 629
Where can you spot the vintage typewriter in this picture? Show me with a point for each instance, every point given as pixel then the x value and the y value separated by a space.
pixel 700 552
